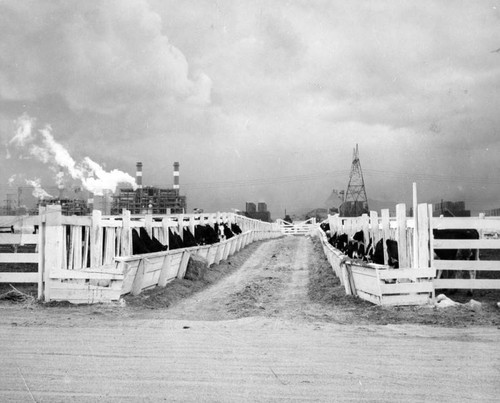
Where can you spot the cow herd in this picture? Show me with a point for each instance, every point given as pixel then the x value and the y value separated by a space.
pixel 142 242
pixel 358 247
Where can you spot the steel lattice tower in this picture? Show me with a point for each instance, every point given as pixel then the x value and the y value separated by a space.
pixel 355 202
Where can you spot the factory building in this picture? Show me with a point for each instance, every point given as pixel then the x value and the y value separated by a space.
pixel 257 211
pixel 450 209
pixel 150 199
pixel 68 206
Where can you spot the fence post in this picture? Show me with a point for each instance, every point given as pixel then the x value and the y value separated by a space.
pixel 41 249
pixel 386 230
pixel 126 244
pixel 54 239
pixel 423 236
pixel 401 237
pixel 165 267
pixel 365 226
pixel 192 225
pixel 415 226
pixel 374 228
pixel 164 224
pixel 148 224
pixel 96 239
pixel 180 225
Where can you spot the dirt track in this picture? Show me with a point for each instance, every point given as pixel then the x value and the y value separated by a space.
pixel 255 335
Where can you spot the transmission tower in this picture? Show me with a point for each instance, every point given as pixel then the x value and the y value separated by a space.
pixel 355 202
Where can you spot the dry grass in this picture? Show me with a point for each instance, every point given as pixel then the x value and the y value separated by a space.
pixel 19 297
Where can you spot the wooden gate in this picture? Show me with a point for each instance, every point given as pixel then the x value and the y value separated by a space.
pixel 297 228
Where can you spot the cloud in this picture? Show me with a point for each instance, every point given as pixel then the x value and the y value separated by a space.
pixel 257 89
pixel 103 56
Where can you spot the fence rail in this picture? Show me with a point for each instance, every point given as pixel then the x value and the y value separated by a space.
pixel 297 228
pixel 89 259
pixel 416 251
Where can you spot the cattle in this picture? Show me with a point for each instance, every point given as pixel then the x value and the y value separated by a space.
pixel 206 235
pixel 174 240
pixel 228 234
pixel 360 246
pixel 138 245
pixel 392 253
pixel 236 229
pixel 340 242
pixel 151 242
pixel 188 238
pixel 143 243
pixel 219 229
pixel 456 254
pixel 325 227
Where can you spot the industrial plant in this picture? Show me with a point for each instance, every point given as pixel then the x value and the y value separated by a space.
pixel 150 199
pixel 141 200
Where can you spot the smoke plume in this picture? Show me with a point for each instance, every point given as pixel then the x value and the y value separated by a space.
pixel 41 145
pixel 38 191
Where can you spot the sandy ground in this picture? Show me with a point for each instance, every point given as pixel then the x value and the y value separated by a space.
pixel 271 328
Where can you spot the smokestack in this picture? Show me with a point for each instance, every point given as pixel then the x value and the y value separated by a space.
pixel 138 175
pixel 60 184
pixel 176 175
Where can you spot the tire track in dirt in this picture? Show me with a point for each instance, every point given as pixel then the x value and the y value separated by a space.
pixel 272 282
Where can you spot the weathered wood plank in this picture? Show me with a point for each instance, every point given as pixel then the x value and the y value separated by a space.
pixel 183 265
pixel 423 236
pixel 401 235
pixel 466 222
pixel 22 239
pixel 478 265
pixel 467 284
pixel 406 288
pixel 18 257
pixel 88 275
pixel 13 277
pixel 466 244
pixel 138 280
pixel 76 220
pixel 407 273
pixel 85 295
pixel 375 299
pixel 166 272
pixel 411 299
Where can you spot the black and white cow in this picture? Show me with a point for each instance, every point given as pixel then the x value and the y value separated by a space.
pixel 456 254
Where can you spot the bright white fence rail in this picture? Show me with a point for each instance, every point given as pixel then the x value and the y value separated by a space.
pixel 89 259
pixel 297 228
pixel 419 274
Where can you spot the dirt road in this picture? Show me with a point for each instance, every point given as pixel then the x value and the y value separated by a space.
pixel 253 336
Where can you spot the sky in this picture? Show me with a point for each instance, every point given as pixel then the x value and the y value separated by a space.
pixel 257 100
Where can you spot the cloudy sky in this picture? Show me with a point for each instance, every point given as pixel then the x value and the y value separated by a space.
pixel 259 100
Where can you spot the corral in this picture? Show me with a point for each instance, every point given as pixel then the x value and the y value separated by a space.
pixel 418 276
pixel 89 259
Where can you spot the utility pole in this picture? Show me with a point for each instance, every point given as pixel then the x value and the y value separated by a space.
pixel 355 201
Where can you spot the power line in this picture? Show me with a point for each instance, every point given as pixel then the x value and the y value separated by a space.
pixel 265 181
pixel 430 177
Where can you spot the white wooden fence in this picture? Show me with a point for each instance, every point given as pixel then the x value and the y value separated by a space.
pixel 23 236
pixel 86 259
pixel 419 273
pixel 297 228
pixel 380 284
